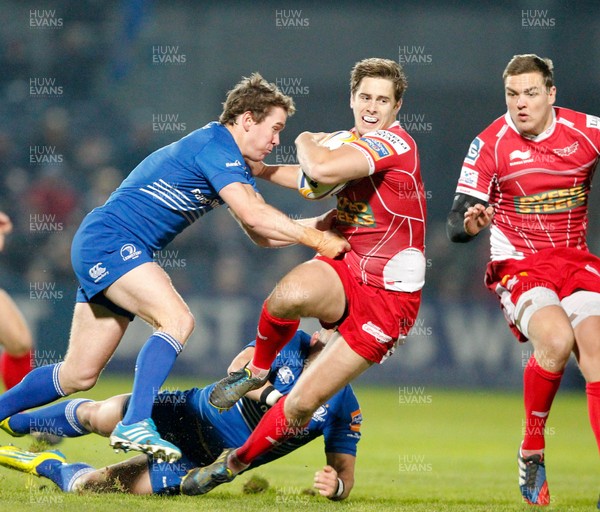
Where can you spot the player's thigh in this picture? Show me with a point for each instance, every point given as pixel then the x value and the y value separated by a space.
pixel 336 366
pixel 587 340
pixel 147 291
pixel 312 289
pixel 95 335
pixel 15 335
pixel 583 309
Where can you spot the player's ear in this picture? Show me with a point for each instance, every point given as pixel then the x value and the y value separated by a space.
pixel 247 120
pixel 398 106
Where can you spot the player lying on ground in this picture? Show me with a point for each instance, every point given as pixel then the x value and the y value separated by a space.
pixel 186 419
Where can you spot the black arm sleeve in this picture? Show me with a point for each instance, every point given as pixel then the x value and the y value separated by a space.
pixel 455 221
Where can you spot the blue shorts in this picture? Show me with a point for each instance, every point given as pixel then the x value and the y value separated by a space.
pixel 178 421
pixel 101 253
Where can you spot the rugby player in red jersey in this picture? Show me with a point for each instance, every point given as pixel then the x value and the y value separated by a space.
pixel 371 294
pixel 527 176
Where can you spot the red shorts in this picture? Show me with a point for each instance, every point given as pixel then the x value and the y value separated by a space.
pixel 563 270
pixel 375 319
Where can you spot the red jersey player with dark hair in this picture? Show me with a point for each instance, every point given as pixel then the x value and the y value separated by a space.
pixel 371 294
pixel 528 177
pixel 15 336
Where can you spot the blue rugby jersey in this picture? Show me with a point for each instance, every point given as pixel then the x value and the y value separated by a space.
pixel 338 421
pixel 176 185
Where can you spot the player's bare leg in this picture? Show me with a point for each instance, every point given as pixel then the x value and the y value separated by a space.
pixel 330 371
pixel 95 335
pixel 130 476
pixel 147 291
pixel 102 417
pixel 336 366
pixel 312 289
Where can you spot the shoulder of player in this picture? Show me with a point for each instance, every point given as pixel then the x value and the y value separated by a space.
pixel 575 119
pixel 494 130
pixel 207 135
pixel 387 142
pixel 393 131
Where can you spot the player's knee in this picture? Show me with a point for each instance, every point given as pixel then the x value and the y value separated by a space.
pixel 288 299
pixel 87 413
pixel 186 325
pixel 299 408
pixel 82 380
pixel 553 351
pixel 179 325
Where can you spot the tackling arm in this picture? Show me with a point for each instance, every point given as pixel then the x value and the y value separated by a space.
pixel 269 227
pixel 336 479
pixel 283 175
pixel 468 216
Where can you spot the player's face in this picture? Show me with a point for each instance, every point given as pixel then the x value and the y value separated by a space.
pixel 264 136
pixel 529 102
pixel 374 105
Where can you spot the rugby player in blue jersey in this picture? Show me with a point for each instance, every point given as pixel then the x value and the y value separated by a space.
pixel 187 419
pixel 112 254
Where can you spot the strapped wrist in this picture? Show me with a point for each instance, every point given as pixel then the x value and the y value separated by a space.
pixel 270 396
pixel 340 489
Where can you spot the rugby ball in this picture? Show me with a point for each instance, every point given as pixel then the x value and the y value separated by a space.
pixel 313 190
pixel 336 139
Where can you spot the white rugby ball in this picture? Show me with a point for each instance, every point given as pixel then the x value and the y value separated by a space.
pixel 335 139
pixel 313 190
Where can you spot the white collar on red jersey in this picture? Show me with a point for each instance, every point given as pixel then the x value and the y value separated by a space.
pixel 537 138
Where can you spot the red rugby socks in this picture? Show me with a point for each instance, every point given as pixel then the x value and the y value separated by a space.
pixel 593 399
pixel 272 335
pixel 539 389
pixel 14 368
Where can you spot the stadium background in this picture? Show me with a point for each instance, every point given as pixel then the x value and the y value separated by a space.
pixel 88 88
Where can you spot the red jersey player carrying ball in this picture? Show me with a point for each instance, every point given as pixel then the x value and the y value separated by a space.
pixel 528 177
pixel 371 294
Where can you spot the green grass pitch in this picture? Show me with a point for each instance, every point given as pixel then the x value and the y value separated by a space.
pixel 422 450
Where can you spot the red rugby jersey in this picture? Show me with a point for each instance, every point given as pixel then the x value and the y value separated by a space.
pixel 538 186
pixel 383 214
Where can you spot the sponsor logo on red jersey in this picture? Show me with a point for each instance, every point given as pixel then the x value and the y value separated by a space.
pixel 552 201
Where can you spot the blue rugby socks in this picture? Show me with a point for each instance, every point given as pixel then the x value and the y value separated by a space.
pixel 63 475
pixel 58 419
pixel 154 362
pixel 40 386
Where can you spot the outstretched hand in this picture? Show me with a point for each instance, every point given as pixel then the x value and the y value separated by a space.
pixel 477 218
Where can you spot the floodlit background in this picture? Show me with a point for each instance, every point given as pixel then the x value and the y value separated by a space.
pixel 88 88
